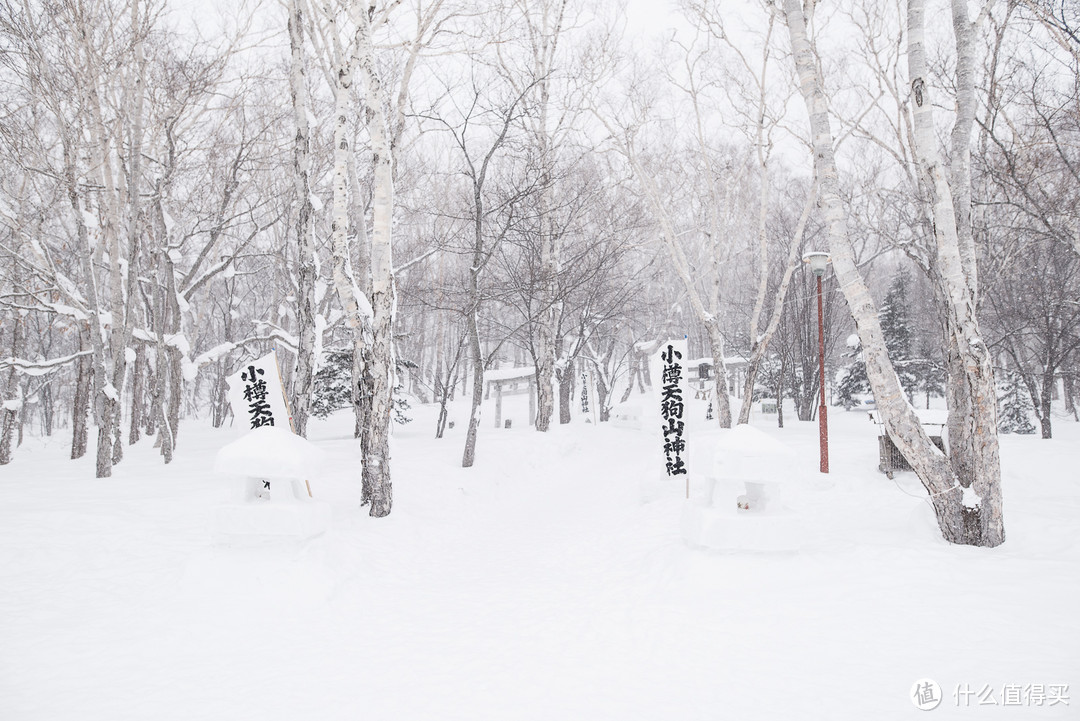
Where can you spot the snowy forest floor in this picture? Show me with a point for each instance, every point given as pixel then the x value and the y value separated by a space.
pixel 548 582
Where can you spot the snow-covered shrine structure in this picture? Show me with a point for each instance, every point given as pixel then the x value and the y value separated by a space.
pixel 511 381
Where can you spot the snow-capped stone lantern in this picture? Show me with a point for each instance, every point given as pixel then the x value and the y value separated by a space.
pixel 269 469
pixel 743 505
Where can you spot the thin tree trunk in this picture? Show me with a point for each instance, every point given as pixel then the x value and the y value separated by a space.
pixel 47 409
pixel 80 405
pixel 469 455
pixel 135 99
pixel 160 383
pixel 1044 415
pixel 721 400
pixel 13 403
pixel 566 391
pixel 780 395
pixel 602 397
pixel 1069 386
pixel 138 372
pixel 100 386
pixel 307 270
pixel 760 344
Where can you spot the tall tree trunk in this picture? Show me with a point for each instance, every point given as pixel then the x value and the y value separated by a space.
pixel 355 303
pixel 545 44
pixel 100 385
pixel 165 433
pixel 377 458
pixel 134 92
pixel 974 448
pixel 307 270
pixel 960 520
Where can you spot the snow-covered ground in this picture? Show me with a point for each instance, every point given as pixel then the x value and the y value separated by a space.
pixel 548 582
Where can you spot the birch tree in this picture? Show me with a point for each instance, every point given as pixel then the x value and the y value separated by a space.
pixel 967 504
pixel 370 314
pixel 307 259
pixel 758 106
pixel 707 180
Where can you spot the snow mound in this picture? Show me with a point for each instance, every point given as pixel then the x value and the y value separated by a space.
pixel 270 452
pixel 747 440
pixel 743 508
pixel 745 453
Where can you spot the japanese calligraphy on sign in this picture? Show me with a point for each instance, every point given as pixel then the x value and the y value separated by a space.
pixel 584 393
pixel 256 396
pixel 672 405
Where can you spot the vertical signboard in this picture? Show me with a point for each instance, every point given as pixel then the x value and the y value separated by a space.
pixel 673 405
pixel 256 396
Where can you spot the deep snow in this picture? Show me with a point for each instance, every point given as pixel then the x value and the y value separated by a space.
pixel 550 581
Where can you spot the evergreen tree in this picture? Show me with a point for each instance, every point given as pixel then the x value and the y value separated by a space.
pixel 930 373
pixel 853 380
pixel 1013 406
pixel 332 387
pixel 896 325
pixel 914 372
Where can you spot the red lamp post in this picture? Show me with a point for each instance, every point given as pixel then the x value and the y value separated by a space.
pixel 818 262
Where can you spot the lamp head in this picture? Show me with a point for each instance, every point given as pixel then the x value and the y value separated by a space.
pixel 818 260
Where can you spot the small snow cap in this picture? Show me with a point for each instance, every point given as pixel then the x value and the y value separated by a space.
pixel 745 440
pixel 270 452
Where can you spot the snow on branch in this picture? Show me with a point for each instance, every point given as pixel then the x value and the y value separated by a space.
pixel 414 261
pixel 40 368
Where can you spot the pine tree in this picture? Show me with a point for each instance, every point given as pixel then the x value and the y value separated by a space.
pixel 930 373
pixel 332 390
pixel 1013 407
pixel 896 325
pixel 853 381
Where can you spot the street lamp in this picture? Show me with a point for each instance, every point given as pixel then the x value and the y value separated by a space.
pixel 818 262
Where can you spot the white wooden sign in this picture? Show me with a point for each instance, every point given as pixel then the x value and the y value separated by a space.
pixel 673 386
pixel 256 395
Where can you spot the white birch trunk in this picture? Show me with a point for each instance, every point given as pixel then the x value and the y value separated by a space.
pixel 93 304
pixel 973 444
pixel 545 42
pixel 377 456
pixel 109 220
pixel 899 417
pixel 358 312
